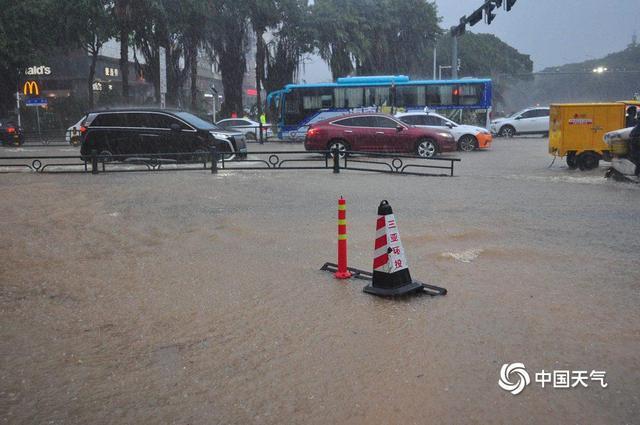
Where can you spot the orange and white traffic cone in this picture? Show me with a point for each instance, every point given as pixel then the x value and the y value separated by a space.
pixel 390 268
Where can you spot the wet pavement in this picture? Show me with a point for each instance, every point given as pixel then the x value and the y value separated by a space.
pixel 189 298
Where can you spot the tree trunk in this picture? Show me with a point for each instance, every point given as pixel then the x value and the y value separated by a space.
pixel 92 74
pixel 124 62
pixel 259 68
pixel 193 56
pixel 232 71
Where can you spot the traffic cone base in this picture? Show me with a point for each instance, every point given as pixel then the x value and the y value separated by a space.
pixel 396 284
pixel 342 275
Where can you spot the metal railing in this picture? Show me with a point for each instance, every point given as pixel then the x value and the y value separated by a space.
pixel 215 160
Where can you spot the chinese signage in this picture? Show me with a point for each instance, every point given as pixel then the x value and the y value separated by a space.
pixel 98 86
pixel 397 260
pixel 514 378
pixel 581 119
pixel 110 72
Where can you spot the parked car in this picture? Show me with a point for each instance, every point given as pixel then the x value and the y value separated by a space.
pixel 10 133
pixel 528 121
pixel 468 137
pixel 250 128
pixel 373 132
pixel 72 135
pixel 136 132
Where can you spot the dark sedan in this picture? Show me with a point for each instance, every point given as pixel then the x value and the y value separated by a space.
pixel 10 133
pixel 377 133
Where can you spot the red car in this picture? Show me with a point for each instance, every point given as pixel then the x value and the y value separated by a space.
pixel 377 133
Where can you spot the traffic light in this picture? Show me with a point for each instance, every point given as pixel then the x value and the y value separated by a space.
pixel 488 10
pixel 475 17
pixel 458 30
pixel 510 4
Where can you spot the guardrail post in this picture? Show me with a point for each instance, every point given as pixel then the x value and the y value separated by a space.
pixel 336 160
pixel 214 160
pixel 94 161
pixel 261 134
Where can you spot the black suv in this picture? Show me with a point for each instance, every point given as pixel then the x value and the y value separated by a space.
pixel 10 133
pixel 136 132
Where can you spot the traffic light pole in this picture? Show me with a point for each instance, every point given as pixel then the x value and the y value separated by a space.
pixel 454 57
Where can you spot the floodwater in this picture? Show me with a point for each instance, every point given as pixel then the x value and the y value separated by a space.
pixel 188 298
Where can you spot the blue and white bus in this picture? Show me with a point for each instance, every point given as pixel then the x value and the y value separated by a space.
pixel 297 105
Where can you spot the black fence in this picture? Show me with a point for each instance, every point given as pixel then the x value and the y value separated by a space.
pixel 215 160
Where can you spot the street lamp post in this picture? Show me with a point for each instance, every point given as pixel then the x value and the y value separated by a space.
pixel 440 68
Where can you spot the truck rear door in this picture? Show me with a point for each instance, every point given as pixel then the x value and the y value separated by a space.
pixel 578 127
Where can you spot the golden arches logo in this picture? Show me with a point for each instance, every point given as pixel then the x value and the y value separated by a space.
pixel 31 87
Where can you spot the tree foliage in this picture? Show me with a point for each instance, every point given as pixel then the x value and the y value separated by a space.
pixel 352 36
pixel 376 36
pixel 485 55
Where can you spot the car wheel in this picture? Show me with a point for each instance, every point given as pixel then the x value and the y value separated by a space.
pixel 105 156
pixel 572 162
pixel 467 143
pixel 339 145
pixel 507 131
pixel 426 148
pixel 588 161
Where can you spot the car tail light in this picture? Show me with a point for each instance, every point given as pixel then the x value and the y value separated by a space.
pixel 312 132
pixel 83 129
pixel 11 130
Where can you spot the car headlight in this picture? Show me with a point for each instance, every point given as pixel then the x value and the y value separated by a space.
pixel 219 135
pixel 446 135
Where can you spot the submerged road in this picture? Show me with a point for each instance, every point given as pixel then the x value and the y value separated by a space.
pixel 190 298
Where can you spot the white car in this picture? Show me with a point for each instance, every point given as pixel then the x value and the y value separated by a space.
pixel 72 135
pixel 250 128
pixel 469 137
pixel 528 121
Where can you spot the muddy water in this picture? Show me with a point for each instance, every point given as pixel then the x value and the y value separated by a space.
pixel 192 299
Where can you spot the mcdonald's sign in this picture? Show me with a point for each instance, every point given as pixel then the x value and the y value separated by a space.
pixel 31 88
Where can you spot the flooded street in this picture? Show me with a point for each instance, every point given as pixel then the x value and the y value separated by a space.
pixel 189 298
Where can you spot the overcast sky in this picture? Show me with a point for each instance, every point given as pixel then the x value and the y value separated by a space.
pixel 553 32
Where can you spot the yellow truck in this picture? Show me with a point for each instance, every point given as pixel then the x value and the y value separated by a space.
pixel 576 131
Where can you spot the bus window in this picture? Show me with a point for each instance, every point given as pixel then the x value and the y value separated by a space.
pixel 292 108
pixel 377 96
pixel 317 98
pixel 348 97
pixel 434 95
pixel 410 96
pixel 470 94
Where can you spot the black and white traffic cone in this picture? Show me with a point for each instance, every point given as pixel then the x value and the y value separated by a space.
pixel 391 275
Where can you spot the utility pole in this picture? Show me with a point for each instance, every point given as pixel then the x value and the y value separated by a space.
pixel 435 61
pixel 454 58
pixel 18 99
pixel 162 72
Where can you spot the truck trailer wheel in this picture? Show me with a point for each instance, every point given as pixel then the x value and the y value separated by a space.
pixel 572 162
pixel 588 161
